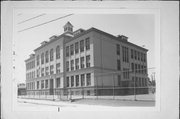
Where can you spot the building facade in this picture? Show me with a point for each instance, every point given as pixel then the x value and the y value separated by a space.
pixel 90 61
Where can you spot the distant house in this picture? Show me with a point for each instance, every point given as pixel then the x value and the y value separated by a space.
pixel 21 89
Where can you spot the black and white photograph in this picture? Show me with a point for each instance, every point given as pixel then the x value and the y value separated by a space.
pixel 86 59
pixel 92 60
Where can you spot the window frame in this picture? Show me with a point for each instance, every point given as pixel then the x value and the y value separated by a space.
pixel 88 61
pixel 87 43
pixel 81 45
pixel 57 52
pixel 51 54
pixel 76 47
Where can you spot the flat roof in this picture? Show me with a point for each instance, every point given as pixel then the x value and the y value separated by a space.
pixel 109 35
pixel 85 32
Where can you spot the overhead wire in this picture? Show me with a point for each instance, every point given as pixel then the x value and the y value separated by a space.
pixel 45 23
pixel 32 18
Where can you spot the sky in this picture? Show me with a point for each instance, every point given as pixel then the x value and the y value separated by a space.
pixel 139 28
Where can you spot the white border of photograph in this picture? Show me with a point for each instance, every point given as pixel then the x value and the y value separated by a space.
pixel 156 41
pixel 9 94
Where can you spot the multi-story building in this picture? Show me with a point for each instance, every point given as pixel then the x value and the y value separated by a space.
pixel 87 60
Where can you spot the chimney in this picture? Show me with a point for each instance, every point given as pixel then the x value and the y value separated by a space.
pixel 77 32
pixel 32 55
pixel 53 37
pixel 123 38
pixel 43 43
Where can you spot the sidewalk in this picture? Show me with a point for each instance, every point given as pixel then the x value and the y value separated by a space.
pixel 86 104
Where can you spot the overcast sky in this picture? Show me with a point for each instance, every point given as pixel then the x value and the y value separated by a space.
pixel 138 27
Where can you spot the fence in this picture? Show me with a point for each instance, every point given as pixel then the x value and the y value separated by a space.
pixel 137 93
pixel 107 86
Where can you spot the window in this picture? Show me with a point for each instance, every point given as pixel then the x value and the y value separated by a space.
pixel 34 74
pixel 88 77
pixel 72 65
pixel 81 45
pixel 67 65
pixel 135 53
pixel 145 81
pixel 88 61
pixel 67 81
pixel 57 68
pixel 57 52
pixel 37 73
pixel 82 80
pixel 77 80
pixel 140 84
pixel 37 60
pixel 136 81
pixel 67 51
pixel 47 57
pixel 42 84
pixel 42 58
pixel 87 44
pixel 141 56
pixel 88 92
pixel 76 47
pixel 57 82
pixel 27 67
pixel 47 71
pixel 46 85
pixel 138 55
pixel 125 52
pixel 52 69
pixel 42 72
pixel 132 67
pixel 136 68
pixel 144 57
pixel 119 80
pixel 51 55
pixel 77 63
pixel 82 62
pixel 72 81
pixel 139 67
pixel 118 64
pixel 133 79
pixel 118 49
pixel 145 69
pixel 31 74
pixel 33 85
pixel 125 73
pixel 33 64
pixel 72 49
pixel 132 53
